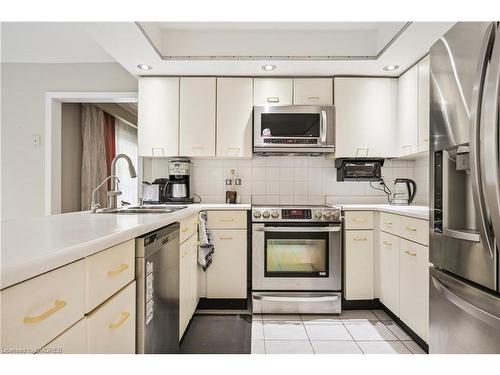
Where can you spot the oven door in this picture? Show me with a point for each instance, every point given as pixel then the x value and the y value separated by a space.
pixel 296 257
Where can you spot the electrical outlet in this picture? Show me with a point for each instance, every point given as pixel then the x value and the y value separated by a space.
pixel 36 140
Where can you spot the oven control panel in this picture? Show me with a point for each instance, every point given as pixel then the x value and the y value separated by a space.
pixel 302 214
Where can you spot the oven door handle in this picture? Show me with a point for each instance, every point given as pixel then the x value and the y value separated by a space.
pixel 324 126
pixel 325 298
pixel 298 229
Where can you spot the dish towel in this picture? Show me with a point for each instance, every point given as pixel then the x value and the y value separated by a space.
pixel 206 246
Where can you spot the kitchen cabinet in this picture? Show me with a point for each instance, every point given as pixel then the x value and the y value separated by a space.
pixel 359 266
pixel 188 282
pixel 413 286
pixel 366 116
pixel 234 117
pixel 197 116
pixel 111 327
pixel 227 275
pixel 71 341
pixel 313 91
pixel 272 91
pixel 389 271
pixel 408 112
pixel 423 104
pixel 158 116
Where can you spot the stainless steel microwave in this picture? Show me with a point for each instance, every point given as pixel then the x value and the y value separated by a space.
pixel 294 129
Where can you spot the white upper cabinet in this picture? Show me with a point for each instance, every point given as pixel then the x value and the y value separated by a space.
pixel 366 116
pixel 423 104
pixel 234 117
pixel 158 122
pixel 313 91
pixel 197 116
pixel 408 112
pixel 272 91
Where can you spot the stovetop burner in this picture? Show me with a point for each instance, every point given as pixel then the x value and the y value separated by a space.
pixel 307 213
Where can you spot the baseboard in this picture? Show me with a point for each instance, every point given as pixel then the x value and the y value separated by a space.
pixel 420 342
pixel 222 303
pixel 365 304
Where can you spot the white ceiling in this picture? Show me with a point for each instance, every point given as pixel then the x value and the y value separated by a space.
pixel 125 42
pixel 50 42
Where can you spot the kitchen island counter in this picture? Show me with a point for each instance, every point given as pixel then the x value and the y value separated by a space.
pixel 32 246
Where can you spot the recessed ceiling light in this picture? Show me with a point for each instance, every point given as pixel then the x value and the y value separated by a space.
pixel 268 67
pixel 390 68
pixel 144 67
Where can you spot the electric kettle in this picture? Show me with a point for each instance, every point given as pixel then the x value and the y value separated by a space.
pixel 404 192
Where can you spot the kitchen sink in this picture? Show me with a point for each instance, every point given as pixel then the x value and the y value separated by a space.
pixel 143 209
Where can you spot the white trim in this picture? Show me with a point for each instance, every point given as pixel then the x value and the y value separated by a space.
pixel 53 109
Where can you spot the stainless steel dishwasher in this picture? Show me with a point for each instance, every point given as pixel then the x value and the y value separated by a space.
pixel 157 277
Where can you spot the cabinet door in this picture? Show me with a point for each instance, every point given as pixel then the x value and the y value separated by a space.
pixel 184 288
pixel 197 116
pixel 313 91
pixel 111 327
pixel 272 91
pixel 366 116
pixel 71 341
pixel 414 286
pixel 423 104
pixel 227 275
pixel 193 275
pixel 408 112
pixel 389 271
pixel 158 116
pixel 359 282
pixel 234 117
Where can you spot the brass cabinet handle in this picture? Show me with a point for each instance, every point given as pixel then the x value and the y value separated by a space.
pixel 120 269
pixel 226 219
pixel 225 238
pixel 360 238
pixel 273 99
pixel 387 223
pixel 387 243
pixel 125 316
pixel 198 147
pixel 411 229
pixel 411 253
pixel 184 230
pixel 359 220
pixel 313 98
pixel 58 305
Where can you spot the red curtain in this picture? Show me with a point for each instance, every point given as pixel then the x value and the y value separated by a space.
pixel 109 142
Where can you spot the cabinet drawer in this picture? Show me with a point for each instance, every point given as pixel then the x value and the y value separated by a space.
pixel 359 281
pixel 390 223
pixel 358 220
pixel 188 227
pixel 414 286
pixel 107 272
pixel 71 341
pixel 36 311
pixel 389 271
pixel 111 327
pixel 227 219
pixel 227 275
pixel 414 229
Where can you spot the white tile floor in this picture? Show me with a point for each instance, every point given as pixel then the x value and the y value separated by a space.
pixel 352 332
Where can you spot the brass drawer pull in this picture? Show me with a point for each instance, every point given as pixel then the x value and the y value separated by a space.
pixel 360 239
pixel 125 316
pixel 120 269
pixel 359 220
pixel 387 223
pixel 387 243
pixel 185 229
pixel 225 238
pixel 411 229
pixel 226 219
pixel 58 305
pixel 411 253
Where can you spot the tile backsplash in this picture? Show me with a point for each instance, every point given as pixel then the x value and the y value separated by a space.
pixel 289 180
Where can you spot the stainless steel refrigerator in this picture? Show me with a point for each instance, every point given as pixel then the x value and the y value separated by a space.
pixel 464 312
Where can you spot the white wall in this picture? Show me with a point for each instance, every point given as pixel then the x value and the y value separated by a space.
pixel 23 89
pixel 281 180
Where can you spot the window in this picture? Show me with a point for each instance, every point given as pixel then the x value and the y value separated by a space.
pixel 126 143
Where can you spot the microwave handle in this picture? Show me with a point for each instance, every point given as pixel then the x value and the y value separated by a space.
pixel 323 127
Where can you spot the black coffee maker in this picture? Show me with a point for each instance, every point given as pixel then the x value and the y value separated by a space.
pixel 178 188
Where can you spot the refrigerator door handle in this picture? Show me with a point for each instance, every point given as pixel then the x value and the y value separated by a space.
pixel 475 311
pixel 474 145
pixel 490 139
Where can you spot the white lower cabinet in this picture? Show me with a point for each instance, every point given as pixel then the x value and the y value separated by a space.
pixel 413 279
pixel 111 327
pixel 389 271
pixel 227 275
pixel 359 283
pixel 188 282
pixel 71 341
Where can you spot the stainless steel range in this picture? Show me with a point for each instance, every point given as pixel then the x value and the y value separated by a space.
pixel 296 259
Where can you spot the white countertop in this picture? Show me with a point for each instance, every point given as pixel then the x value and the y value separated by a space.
pixel 419 212
pixel 33 246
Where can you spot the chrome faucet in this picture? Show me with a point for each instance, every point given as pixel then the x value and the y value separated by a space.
pixel 114 192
